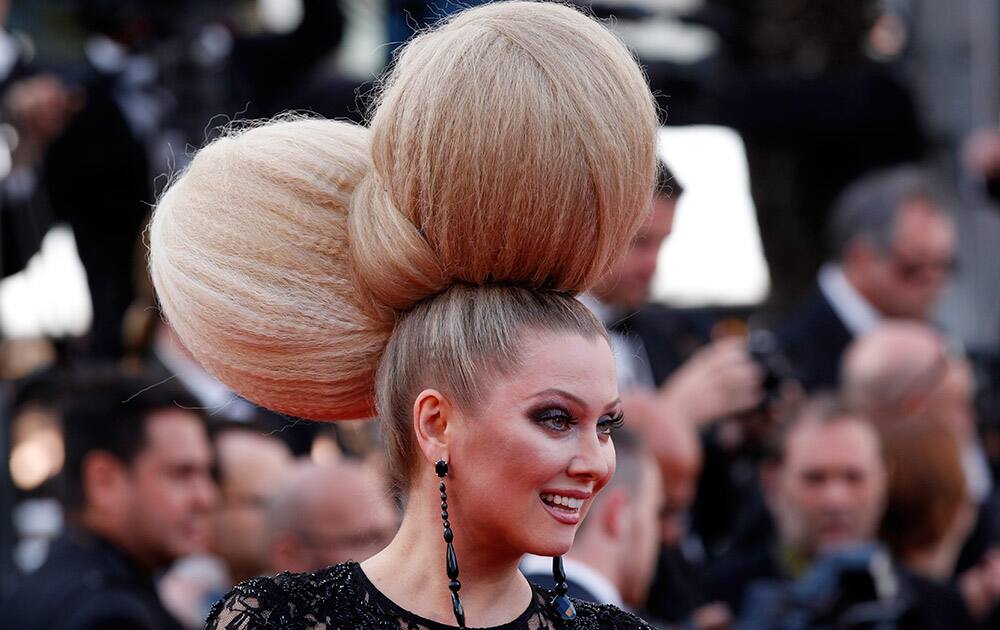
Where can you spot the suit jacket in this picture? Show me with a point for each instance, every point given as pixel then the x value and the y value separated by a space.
pixel 86 584
pixel 678 587
pixel 814 339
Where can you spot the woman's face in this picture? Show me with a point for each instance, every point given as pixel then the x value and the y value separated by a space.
pixel 526 465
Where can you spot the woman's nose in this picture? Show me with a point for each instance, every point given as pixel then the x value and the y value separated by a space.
pixel 592 459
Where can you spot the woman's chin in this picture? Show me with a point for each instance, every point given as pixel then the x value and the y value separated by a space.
pixel 552 546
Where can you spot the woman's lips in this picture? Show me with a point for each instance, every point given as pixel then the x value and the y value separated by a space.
pixel 566 507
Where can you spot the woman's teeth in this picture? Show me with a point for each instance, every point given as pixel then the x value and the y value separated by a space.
pixel 558 500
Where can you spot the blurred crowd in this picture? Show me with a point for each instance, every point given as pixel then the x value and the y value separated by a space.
pixel 829 458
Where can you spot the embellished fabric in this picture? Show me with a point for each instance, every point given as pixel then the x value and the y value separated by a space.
pixel 342 597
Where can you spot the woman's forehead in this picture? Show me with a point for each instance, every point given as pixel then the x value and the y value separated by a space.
pixel 562 364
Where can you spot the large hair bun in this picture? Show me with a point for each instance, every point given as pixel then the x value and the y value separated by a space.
pixel 516 143
pixel 249 256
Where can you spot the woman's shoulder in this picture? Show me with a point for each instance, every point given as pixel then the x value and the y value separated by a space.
pixel 289 601
pixel 593 616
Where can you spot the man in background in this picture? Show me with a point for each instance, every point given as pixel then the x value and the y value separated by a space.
pixel 322 515
pixel 825 491
pixel 904 369
pixel 668 355
pixel 903 373
pixel 662 349
pixel 138 495
pixel 894 251
pixel 252 462
pixel 252 466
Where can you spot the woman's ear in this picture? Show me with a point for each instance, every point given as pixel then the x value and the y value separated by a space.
pixel 432 413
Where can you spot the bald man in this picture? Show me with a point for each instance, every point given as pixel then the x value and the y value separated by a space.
pixel 251 467
pixel 327 514
pixel 902 370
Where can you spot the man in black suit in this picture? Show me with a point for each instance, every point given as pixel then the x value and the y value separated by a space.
pixel 139 494
pixel 894 249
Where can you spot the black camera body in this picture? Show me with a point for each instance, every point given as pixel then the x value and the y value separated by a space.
pixel 850 589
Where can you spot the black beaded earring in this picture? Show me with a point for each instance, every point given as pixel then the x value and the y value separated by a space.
pixel 561 604
pixel 451 562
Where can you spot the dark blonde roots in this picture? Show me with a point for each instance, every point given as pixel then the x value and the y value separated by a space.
pixel 510 158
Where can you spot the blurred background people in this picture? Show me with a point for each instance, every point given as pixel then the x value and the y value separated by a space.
pixel 138 493
pixel 832 490
pixel 666 355
pixel 251 462
pixel 894 250
pixel 929 513
pixel 252 466
pixel 920 394
pixel 826 491
pixel 322 515
pixel 677 594
pixel 903 370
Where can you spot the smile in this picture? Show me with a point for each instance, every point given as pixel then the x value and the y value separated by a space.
pixel 564 509
pixel 559 501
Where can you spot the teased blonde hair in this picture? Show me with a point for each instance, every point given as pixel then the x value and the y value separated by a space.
pixel 512 150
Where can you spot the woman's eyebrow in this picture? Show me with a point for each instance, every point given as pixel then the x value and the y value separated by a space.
pixel 572 397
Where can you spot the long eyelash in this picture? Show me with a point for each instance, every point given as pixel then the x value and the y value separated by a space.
pixel 616 421
pixel 552 414
pixel 549 415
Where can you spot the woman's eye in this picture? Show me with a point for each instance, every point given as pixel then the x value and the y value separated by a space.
pixel 608 424
pixel 555 419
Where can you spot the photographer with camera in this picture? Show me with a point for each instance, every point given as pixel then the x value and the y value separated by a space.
pixel 826 491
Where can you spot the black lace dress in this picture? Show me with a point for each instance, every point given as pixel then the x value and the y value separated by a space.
pixel 342 597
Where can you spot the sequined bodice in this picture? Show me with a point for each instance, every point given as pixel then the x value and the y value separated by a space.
pixel 342 597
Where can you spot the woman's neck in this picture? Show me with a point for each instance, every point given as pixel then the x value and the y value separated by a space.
pixel 411 570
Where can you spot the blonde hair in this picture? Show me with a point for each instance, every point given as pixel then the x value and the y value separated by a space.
pixel 511 157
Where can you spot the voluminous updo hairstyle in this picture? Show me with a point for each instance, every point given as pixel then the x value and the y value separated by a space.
pixel 510 159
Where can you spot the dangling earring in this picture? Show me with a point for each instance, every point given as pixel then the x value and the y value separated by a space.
pixel 451 562
pixel 561 603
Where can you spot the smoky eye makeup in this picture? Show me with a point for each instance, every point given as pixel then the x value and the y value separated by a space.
pixel 609 422
pixel 558 418
pixel 553 417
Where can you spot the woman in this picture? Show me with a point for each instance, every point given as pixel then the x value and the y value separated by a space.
pixel 425 269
